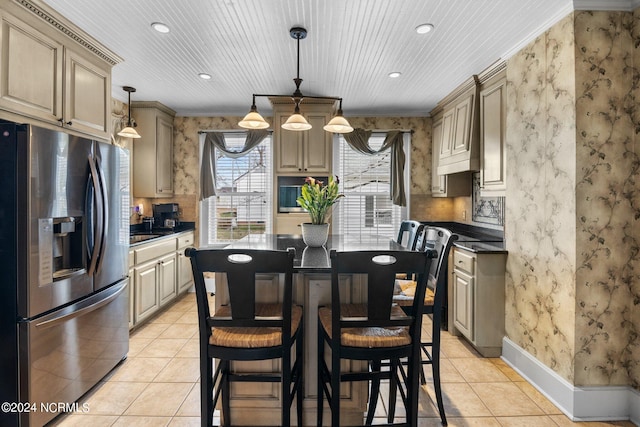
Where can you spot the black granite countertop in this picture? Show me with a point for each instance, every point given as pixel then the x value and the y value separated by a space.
pixel 310 259
pixel 474 238
pixel 139 233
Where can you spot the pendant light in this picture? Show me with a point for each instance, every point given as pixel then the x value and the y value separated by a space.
pixel 338 124
pixel 129 131
pixel 296 122
pixel 253 120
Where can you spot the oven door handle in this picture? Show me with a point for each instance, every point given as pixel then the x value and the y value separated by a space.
pixel 91 304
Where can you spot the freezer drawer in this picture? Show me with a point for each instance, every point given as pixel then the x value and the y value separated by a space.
pixel 64 354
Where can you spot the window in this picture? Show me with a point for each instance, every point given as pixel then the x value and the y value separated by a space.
pixel 366 183
pixel 242 204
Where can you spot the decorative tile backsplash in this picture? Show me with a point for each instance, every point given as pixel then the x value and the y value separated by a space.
pixel 488 210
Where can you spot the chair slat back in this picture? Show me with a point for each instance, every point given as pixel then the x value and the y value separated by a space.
pixel 408 234
pixel 440 240
pixel 241 267
pixel 380 268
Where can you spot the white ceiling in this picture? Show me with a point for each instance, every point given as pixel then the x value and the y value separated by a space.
pixel 351 47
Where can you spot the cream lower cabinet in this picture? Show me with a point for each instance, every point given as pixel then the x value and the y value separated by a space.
pixel 185 274
pixel 477 282
pixel 167 284
pixel 47 76
pixel 160 272
pixel 147 300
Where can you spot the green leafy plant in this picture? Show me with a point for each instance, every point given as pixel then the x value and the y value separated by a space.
pixel 318 198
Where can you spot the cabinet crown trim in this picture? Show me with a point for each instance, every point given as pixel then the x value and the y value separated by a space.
pixel 70 30
pixel 471 83
pixel 153 104
pixel 493 70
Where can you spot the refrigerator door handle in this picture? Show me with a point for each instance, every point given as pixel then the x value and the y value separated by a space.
pixel 104 225
pixel 99 212
pixel 88 306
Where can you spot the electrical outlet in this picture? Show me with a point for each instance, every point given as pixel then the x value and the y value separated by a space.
pixel 464 214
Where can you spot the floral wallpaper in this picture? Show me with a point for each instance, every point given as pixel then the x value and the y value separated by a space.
pixel 607 200
pixel 573 203
pixel 540 208
pixel 186 169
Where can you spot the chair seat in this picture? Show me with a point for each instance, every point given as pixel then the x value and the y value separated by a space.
pixel 406 289
pixel 367 337
pixel 253 337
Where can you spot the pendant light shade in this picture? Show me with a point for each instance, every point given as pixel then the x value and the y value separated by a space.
pixel 296 122
pixel 253 120
pixel 338 124
pixel 129 131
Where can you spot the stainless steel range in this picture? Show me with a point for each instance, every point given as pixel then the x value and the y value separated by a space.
pixel 64 238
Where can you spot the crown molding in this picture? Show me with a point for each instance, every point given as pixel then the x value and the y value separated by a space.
pixel 53 18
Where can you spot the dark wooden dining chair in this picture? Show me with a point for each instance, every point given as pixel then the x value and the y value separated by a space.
pixel 245 329
pixel 440 240
pixel 375 331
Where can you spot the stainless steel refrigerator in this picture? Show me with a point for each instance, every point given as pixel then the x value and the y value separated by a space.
pixel 64 240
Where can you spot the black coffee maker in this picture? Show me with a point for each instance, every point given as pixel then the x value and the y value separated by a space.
pixel 166 215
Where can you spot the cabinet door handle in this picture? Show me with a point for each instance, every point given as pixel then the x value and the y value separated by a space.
pixel 69 123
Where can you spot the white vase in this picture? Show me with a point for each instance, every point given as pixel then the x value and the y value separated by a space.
pixel 315 235
pixel 316 257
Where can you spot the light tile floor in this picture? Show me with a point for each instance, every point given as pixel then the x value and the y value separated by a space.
pixel 158 384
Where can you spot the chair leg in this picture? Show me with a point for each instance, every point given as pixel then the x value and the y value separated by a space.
pixel 415 363
pixel 226 389
pixel 423 380
pixel 435 365
pixel 206 392
pixel 335 388
pixel 375 392
pixel 320 376
pixel 299 373
pixel 285 388
pixel 393 387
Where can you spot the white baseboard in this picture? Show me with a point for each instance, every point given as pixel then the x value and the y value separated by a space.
pixel 606 403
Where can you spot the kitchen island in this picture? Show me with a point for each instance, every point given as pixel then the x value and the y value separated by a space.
pixel 312 288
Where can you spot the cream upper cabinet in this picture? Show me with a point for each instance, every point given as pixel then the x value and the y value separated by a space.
pixel 492 138
pixel 87 100
pixel 48 76
pixel 153 152
pixel 445 185
pixel 31 82
pixel 306 152
pixel 459 148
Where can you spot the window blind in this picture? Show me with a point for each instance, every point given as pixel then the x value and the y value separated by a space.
pixel 366 183
pixel 242 204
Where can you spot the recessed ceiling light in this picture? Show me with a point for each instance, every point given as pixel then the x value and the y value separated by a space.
pixel 204 76
pixel 395 74
pixel 160 27
pixel 424 28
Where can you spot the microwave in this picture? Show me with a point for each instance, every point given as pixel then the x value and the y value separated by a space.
pixel 289 189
